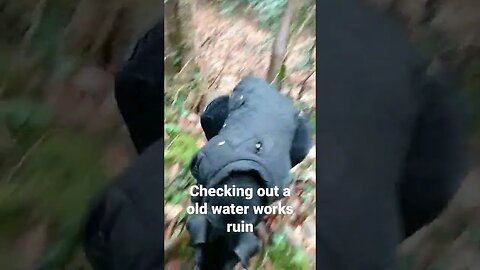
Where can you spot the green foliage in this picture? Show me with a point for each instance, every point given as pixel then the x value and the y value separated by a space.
pixel 177 59
pixel 285 256
pixel 13 217
pixel 172 128
pixel 25 121
pixel 176 95
pixel 23 115
pixel 313 119
pixel 307 189
pixel 182 149
pixel 304 14
pixel 56 179
pixel 32 58
pixel 268 12
pixel 306 62
pixel 179 150
pixel 280 76
pixel 55 182
pixel 180 146
pixel 227 8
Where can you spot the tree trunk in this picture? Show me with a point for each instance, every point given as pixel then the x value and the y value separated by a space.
pixel 281 42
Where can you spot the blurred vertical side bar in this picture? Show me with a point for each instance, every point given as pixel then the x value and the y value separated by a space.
pixel 382 123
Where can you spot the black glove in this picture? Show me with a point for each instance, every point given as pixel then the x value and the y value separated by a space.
pixel 215 248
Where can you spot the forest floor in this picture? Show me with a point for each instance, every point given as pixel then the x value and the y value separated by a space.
pixel 235 46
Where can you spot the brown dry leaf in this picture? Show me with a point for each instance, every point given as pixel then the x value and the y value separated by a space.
pixel 252 52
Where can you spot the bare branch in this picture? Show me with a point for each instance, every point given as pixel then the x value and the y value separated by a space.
pixel 281 41
pixel 303 87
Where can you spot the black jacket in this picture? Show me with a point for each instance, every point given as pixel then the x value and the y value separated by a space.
pixel 256 136
pixel 123 226
pixel 123 229
pixel 139 89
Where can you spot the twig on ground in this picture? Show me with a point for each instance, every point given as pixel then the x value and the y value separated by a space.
pixel 184 66
pixel 221 70
pixel 302 88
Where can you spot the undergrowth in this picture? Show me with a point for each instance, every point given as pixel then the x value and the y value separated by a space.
pixel 267 12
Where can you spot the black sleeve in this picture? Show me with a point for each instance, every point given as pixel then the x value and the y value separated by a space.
pixel 123 225
pixel 214 116
pixel 302 141
pixel 139 89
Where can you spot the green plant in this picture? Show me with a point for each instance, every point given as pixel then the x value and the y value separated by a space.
pixel 285 256
pixel 268 11
pixel 25 121
pixel 55 182
pixel 180 148
pixel 306 62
